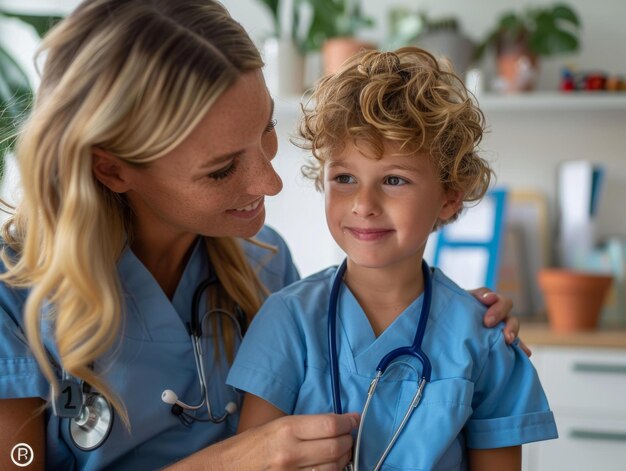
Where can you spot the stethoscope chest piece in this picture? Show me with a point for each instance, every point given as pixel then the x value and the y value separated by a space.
pixel 89 430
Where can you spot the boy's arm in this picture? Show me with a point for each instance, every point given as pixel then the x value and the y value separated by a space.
pixel 496 459
pixel 256 411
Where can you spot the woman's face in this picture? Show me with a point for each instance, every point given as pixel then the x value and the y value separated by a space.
pixel 214 183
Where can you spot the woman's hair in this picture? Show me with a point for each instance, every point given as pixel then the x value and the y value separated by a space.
pixel 405 97
pixel 132 78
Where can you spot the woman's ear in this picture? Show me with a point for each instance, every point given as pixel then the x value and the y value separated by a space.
pixel 453 202
pixel 110 170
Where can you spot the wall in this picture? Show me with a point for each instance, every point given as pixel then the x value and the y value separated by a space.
pixel 524 146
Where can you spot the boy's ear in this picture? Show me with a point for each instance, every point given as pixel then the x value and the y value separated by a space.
pixel 109 170
pixel 453 203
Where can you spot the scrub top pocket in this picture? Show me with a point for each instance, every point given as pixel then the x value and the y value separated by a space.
pixel 432 438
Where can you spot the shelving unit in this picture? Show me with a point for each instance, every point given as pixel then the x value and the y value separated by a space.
pixel 554 101
pixel 534 101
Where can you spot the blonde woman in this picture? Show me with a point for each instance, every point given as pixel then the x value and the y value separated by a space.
pixel 144 166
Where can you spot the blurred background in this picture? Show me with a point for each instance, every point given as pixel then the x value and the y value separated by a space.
pixel 551 80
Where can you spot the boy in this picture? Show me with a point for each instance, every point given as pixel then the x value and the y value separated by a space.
pixel 394 136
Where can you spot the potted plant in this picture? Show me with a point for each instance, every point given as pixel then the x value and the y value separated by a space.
pixel 333 30
pixel 441 36
pixel 519 39
pixel 15 88
pixel 283 50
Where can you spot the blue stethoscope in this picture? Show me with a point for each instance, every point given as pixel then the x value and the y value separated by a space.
pixel 414 350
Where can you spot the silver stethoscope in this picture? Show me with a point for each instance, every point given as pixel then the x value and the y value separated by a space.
pixel 239 321
pixel 414 350
pixel 91 415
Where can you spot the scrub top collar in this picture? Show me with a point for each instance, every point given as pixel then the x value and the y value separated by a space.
pixel 157 317
pixel 359 347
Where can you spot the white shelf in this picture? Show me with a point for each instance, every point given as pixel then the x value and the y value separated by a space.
pixel 539 101
pixel 554 101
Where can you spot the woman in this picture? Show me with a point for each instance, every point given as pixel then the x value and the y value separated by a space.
pixel 148 153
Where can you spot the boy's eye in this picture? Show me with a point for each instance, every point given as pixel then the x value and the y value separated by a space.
pixel 344 179
pixel 395 181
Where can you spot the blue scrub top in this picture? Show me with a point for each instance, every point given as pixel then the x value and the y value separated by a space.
pixel 482 394
pixel 154 353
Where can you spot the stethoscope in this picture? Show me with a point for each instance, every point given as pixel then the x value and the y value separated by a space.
pixel 91 415
pixel 194 327
pixel 414 350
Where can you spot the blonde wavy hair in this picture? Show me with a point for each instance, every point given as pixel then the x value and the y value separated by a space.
pixel 132 78
pixel 406 97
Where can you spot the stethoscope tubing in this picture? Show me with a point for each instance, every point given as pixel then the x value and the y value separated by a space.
pixel 415 350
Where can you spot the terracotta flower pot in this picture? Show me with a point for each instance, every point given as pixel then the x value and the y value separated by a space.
pixel 574 299
pixel 336 51
pixel 517 66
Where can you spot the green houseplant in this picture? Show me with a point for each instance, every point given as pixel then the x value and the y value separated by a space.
pixel 333 30
pixel 334 19
pixel 315 24
pixel 520 38
pixel 15 89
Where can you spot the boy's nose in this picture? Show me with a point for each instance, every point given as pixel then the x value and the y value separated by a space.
pixel 366 202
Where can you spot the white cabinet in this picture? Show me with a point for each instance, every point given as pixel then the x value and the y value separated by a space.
pixel 586 389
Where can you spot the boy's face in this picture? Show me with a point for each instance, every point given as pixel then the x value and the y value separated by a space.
pixel 381 212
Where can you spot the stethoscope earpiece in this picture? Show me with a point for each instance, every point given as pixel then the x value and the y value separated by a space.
pixel 230 408
pixel 169 397
pixel 195 325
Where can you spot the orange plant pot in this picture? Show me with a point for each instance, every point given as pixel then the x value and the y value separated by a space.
pixel 574 299
pixel 336 51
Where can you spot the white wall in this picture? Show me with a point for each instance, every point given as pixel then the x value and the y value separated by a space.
pixel 523 146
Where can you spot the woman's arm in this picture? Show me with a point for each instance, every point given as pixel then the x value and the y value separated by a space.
pixel 496 459
pixel 22 422
pixel 322 442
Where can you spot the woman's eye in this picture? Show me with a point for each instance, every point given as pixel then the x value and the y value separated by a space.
pixel 223 173
pixel 395 181
pixel 271 125
pixel 343 179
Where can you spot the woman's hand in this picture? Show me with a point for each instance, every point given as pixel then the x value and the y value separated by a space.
pixel 500 310
pixel 320 442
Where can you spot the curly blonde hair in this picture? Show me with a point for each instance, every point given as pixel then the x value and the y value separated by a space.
pixel 406 97
pixel 132 78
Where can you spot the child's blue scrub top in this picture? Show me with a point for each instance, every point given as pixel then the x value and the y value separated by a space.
pixel 154 353
pixel 482 394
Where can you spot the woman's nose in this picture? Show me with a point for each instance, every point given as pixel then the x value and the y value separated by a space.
pixel 366 202
pixel 263 178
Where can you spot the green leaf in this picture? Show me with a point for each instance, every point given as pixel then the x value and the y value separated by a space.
pixel 15 100
pixel 557 42
pixel 42 24
pixel 272 6
pixel 566 14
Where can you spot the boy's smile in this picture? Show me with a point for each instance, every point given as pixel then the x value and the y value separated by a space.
pixel 381 212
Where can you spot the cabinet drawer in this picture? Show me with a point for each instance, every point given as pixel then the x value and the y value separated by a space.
pixel 583 444
pixel 590 379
